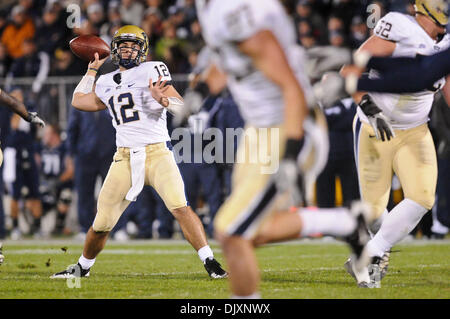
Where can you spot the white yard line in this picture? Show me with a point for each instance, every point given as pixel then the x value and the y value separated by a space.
pixel 129 251
pixel 177 242
pixel 132 251
pixel 43 242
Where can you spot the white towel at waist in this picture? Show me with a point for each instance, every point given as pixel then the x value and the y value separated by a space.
pixel 137 163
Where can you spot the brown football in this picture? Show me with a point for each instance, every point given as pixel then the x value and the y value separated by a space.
pixel 85 47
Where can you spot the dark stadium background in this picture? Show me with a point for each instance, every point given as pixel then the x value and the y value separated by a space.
pixel 35 55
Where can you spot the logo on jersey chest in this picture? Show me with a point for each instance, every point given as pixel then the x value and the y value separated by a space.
pixel 120 86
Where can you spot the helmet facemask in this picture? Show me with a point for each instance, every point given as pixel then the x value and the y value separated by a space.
pixel 130 62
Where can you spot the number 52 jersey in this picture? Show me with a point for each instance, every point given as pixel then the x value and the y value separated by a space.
pixel 406 110
pixel 138 118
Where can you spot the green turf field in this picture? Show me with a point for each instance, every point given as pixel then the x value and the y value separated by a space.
pixel 163 270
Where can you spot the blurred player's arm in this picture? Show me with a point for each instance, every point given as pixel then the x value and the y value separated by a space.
pixel 268 56
pixel 19 108
pixel 84 97
pixel 400 74
pixel 215 79
pixel 15 105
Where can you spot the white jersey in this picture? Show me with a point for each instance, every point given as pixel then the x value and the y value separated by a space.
pixel 138 118
pixel 406 110
pixel 224 24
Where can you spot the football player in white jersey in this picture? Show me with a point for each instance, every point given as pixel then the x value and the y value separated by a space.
pixel 137 95
pixel 259 60
pixel 391 133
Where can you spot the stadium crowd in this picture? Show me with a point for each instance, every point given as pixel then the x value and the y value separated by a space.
pixel 42 170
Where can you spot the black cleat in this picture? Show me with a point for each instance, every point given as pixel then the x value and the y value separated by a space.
pixel 214 269
pixel 73 271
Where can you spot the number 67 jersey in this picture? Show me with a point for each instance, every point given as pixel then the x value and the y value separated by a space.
pixel 138 118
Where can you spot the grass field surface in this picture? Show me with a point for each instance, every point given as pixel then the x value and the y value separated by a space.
pixel 308 269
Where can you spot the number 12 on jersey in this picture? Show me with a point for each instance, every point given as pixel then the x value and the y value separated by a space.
pixel 162 70
pixel 125 102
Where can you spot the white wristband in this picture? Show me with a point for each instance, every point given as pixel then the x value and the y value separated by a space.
pixel 361 58
pixel 86 84
pixel 351 84
pixel 175 105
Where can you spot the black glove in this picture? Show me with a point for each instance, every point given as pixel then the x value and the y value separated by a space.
pixel 380 123
pixel 287 176
pixel 293 148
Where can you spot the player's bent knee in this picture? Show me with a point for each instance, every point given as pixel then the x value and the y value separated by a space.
pixel 179 210
pixel 260 239
pixel 228 240
pixel 101 232
pixel 220 236
pixel 102 228
pixel 103 223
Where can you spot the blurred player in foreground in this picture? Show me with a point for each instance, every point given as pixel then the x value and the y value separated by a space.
pixel 137 95
pixel 391 132
pixel 259 60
